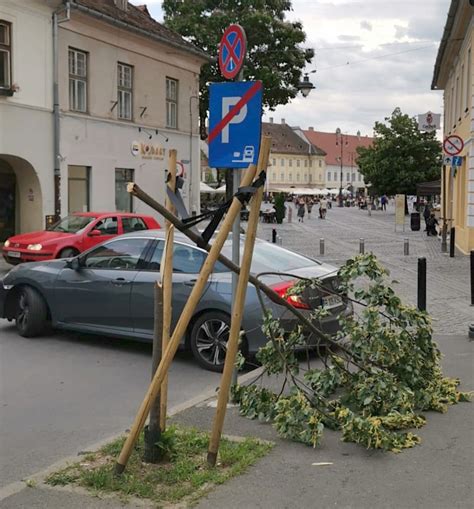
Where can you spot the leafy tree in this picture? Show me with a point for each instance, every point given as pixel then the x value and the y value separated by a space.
pixel 274 54
pixel 400 157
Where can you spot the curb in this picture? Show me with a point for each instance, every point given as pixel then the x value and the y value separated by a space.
pixel 39 477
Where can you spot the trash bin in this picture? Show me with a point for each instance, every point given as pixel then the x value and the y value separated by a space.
pixel 415 221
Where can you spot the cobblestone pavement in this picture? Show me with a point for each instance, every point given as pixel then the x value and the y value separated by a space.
pixel 448 284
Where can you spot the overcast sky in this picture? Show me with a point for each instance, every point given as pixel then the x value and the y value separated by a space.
pixel 371 56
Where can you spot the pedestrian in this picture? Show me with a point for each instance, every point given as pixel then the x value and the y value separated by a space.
pixel 301 210
pixel 426 215
pixel 309 206
pixel 431 224
pixel 323 207
pixel 383 202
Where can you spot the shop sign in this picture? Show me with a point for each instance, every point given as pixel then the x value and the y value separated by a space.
pixel 147 150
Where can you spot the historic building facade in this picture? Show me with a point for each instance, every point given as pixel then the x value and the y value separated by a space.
pixel 453 73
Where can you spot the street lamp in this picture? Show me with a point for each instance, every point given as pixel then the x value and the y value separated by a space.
pixel 305 86
pixel 340 141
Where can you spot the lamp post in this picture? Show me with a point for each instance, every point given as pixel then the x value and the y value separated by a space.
pixel 340 141
pixel 305 86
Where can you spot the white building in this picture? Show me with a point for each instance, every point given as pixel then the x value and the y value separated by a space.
pixel 26 121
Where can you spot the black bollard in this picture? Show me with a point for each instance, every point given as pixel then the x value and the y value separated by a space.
pixel 452 245
pixel 422 284
pixel 274 236
pixel 472 278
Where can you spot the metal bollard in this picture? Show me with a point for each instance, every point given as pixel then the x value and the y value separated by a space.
pixel 321 246
pixel 279 240
pixel 422 284
pixel 472 278
pixel 274 236
pixel 452 240
pixel 361 246
pixel 406 247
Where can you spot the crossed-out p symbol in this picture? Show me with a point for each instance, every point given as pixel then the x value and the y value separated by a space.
pixel 227 104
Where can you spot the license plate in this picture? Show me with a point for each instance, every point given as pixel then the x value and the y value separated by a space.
pixel 13 254
pixel 332 301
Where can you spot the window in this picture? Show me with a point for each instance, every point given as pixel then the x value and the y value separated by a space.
pixel 171 103
pixel 117 255
pixel 133 224
pixel 290 177
pixel 77 80
pixel 5 54
pixel 78 188
pixel 123 199
pixel 310 177
pixel 186 259
pixel 274 162
pixel 353 177
pixel 290 163
pixel 282 177
pixel 310 163
pixel 348 176
pixel 297 163
pixel 107 226
pixel 335 176
pixel 282 162
pixel 297 177
pixel 305 163
pixel 360 177
pixel 273 175
pixel 329 176
pixel 306 177
pixel 320 163
pixel 124 91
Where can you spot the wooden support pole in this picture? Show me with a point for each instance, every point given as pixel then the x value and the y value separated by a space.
pixel 167 280
pixel 238 308
pixel 182 325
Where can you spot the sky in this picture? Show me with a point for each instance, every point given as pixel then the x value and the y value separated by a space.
pixel 371 56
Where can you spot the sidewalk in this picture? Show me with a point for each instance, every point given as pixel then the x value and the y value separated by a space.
pixel 434 475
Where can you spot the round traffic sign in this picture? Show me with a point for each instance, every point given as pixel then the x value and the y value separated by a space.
pixel 453 145
pixel 232 49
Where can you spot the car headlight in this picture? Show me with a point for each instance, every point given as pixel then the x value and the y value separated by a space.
pixel 35 247
pixel 7 243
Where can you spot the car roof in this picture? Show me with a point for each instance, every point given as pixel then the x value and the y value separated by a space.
pixel 100 214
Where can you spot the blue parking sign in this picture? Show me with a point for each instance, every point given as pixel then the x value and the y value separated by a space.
pixel 235 115
pixel 457 161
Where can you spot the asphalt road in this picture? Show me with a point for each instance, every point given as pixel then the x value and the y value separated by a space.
pixel 63 392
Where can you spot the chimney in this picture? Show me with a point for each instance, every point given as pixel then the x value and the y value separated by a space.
pixel 121 4
pixel 310 128
pixel 283 121
pixel 270 120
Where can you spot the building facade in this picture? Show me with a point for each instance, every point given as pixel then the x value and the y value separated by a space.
pixel 127 93
pixel 453 73
pixel 26 122
pixel 294 163
pixel 340 149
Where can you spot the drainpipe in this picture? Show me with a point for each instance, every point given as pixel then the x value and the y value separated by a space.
pixel 56 126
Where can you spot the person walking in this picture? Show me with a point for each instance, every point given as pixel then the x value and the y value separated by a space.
pixel 301 210
pixel 383 202
pixel 323 207
pixel 309 206
pixel 426 215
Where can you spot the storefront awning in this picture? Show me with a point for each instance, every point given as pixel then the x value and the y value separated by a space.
pixel 428 188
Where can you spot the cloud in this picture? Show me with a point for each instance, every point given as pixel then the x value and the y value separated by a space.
pixel 365 25
pixel 349 38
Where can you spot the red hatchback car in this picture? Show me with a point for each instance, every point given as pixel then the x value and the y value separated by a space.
pixel 72 235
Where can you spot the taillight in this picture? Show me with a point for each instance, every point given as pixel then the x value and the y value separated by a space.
pixel 295 300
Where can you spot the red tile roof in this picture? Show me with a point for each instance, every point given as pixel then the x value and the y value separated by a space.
pixel 286 141
pixel 327 141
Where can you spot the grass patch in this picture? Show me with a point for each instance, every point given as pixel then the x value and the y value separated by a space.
pixel 183 476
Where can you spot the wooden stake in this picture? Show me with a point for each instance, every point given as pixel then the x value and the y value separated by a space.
pixel 167 280
pixel 238 308
pixel 181 326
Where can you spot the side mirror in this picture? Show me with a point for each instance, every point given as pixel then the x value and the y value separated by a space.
pixel 95 233
pixel 74 263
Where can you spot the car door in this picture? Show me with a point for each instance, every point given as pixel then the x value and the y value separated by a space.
pixel 97 295
pixel 187 262
pixel 108 228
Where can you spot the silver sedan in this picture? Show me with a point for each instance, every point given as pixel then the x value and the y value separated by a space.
pixel 109 290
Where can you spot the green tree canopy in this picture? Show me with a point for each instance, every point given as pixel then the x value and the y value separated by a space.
pixel 274 54
pixel 400 157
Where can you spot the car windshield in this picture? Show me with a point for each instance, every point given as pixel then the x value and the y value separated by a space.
pixel 72 224
pixel 272 258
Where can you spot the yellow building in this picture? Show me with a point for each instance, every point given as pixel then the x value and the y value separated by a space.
pixel 453 74
pixel 294 162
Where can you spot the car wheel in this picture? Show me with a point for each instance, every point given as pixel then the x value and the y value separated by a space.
pixel 209 337
pixel 31 313
pixel 68 252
